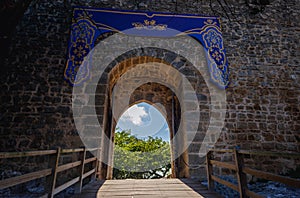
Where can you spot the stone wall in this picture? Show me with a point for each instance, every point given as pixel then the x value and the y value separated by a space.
pixel 262 49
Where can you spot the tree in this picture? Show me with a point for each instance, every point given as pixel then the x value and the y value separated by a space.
pixel 140 158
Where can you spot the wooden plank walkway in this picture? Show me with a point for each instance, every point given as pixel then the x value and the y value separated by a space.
pixel 156 188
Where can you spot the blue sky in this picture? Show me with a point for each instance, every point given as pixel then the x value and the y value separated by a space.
pixel 144 120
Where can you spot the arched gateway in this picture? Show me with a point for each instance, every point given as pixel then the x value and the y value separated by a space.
pixel 116 70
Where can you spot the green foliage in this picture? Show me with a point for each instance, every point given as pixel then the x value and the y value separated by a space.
pixel 140 159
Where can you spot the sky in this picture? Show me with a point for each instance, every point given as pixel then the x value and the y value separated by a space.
pixel 144 120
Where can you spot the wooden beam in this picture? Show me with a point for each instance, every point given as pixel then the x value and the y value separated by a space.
pixel 64 151
pixel 65 185
pixel 54 173
pixel 93 149
pixel 90 160
pixel 209 171
pixel 270 176
pixel 24 178
pixel 5 155
pixel 68 166
pixel 253 194
pixel 223 164
pixel 81 170
pixel 95 166
pixel 270 153
pixel 226 183
pixel 240 175
pixel 85 175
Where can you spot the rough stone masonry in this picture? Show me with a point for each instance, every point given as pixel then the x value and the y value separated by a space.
pixel 263 50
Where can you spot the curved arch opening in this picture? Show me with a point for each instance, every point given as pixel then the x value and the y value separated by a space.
pixel 142 143
pixel 126 73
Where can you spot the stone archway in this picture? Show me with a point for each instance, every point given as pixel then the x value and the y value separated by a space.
pixel 189 81
pixel 160 91
pixel 166 102
pixel 151 92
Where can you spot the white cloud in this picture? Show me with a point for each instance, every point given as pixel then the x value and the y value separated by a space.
pixel 134 115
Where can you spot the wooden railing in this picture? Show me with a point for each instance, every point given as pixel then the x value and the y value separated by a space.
pixel 241 170
pixel 55 168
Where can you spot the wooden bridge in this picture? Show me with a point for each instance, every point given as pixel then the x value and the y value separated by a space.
pixel 86 169
pixel 155 188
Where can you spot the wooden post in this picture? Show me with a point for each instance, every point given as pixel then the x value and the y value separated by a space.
pixel 95 165
pixel 98 161
pixel 51 180
pixel 209 171
pixel 241 176
pixel 78 188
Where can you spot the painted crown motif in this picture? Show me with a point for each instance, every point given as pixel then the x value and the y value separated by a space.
pixel 149 25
